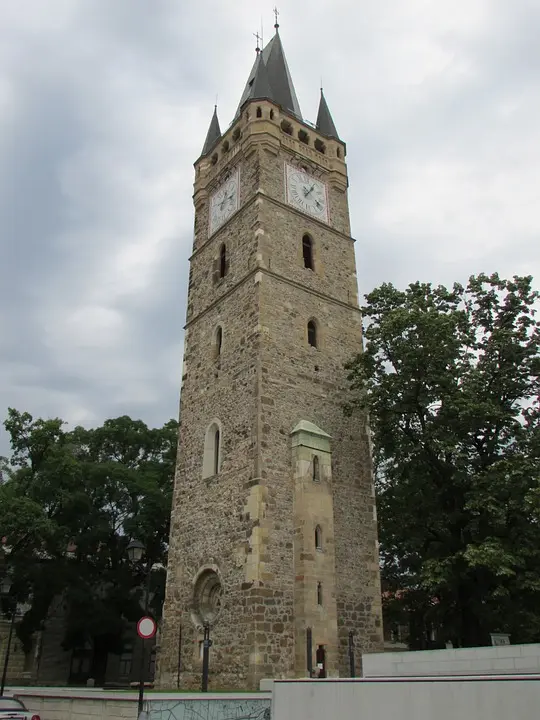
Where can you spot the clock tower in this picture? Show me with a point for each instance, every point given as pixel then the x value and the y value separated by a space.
pixel 273 544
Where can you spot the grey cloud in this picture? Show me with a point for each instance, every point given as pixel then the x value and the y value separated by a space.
pixel 104 107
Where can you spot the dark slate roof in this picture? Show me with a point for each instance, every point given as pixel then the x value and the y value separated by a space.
pixel 325 124
pixel 261 87
pixel 277 85
pixel 213 134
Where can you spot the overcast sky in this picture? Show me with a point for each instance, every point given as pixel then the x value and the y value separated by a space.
pixel 104 106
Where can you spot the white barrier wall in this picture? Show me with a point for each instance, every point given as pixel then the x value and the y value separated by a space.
pixel 513 659
pixel 507 698
pixel 65 705
pixel 73 704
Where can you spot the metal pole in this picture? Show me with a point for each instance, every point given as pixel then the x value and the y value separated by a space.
pixel 206 657
pixel 179 656
pixel 143 642
pixel 8 650
pixel 309 652
pixel 351 655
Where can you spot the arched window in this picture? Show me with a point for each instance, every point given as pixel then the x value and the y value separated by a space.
pixel 226 146
pixel 218 341
pixel 287 127
pixel 271 114
pixel 212 450
pixel 303 137
pixel 312 333
pixel 259 112
pixel 338 152
pixel 307 252
pixel 216 450
pixel 320 146
pixel 215 158
pixel 316 469
pixel 319 594
pixel 222 261
pixel 318 538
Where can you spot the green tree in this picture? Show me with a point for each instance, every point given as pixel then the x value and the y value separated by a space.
pixel 450 378
pixel 72 501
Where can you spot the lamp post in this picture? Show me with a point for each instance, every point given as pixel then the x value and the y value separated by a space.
pixel 5 590
pixel 352 669
pixel 207 644
pixel 135 552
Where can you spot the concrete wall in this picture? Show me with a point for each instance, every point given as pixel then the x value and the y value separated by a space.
pixel 444 699
pixel 459 661
pixel 65 704
pixel 61 706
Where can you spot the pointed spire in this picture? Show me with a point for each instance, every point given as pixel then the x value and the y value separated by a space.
pixel 261 87
pixel 325 124
pixel 270 78
pixel 213 134
pixel 280 77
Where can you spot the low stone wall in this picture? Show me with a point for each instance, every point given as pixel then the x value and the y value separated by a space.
pixel 459 661
pixel 217 707
pixel 59 705
pixel 67 704
pixel 17 671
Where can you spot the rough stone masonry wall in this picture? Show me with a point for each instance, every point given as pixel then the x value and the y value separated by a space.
pixel 241 522
pixel 209 527
pixel 219 522
pixel 306 387
pixel 301 382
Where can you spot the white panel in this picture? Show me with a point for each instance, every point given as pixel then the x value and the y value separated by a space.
pixel 475 661
pixel 510 699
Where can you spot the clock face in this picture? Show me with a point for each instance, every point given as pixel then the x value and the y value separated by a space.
pixel 224 201
pixel 307 193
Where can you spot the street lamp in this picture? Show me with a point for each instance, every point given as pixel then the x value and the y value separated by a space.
pixel 135 552
pixel 5 589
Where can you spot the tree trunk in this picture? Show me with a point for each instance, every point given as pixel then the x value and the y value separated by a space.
pixel 472 633
pixel 99 660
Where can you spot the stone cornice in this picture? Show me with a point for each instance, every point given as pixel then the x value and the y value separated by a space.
pixel 287 281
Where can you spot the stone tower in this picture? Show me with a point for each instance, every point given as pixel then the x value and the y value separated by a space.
pixel 273 531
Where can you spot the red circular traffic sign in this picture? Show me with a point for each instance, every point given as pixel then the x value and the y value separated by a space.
pixel 146 628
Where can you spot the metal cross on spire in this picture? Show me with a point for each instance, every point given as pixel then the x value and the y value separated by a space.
pixel 259 37
pixel 276 13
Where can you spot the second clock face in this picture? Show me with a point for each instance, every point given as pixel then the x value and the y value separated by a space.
pixel 224 202
pixel 307 193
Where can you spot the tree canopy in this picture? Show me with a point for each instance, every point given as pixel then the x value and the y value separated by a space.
pixel 70 501
pixel 450 378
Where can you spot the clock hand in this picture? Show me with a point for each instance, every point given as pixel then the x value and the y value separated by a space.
pixel 310 190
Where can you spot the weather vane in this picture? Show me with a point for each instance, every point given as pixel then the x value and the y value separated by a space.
pixel 276 13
